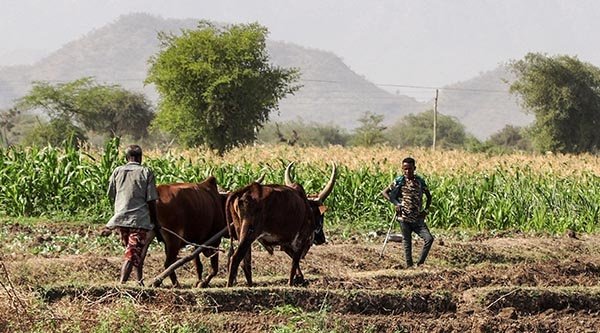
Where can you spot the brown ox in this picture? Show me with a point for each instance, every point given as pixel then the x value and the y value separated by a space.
pixel 192 212
pixel 275 215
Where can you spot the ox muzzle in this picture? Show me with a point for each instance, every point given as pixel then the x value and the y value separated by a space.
pixel 319 234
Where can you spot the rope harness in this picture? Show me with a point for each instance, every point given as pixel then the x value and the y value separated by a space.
pixel 192 243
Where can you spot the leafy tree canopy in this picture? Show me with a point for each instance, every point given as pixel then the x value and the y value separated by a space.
pixel 370 131
pixel 564 95
pixel 216 85
pixel 106 109
pixel 417 131
pixel 511 138
pixel 57 132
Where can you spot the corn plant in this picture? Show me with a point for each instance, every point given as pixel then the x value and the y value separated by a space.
pixel 470 191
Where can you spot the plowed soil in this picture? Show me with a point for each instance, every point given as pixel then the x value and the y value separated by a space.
pixel 482 283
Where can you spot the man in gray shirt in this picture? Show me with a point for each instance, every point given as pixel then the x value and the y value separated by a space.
pixel 132 188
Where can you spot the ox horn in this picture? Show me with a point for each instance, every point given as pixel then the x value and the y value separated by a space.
pixel 329 187
pixel 260 179
pixel 288 180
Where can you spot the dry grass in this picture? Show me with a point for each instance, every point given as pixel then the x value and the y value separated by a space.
pixel 438 162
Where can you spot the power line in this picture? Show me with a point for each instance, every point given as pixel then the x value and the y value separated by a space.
pixel 429 88
pixel 6 84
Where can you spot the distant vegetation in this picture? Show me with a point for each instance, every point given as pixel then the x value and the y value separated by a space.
pixel 417 131
pixel 332 94
pixel 410 131
pixel 218 90
pixel 26 129
pixel 564 94
pixel 82 106
pixel 303 134
pixel 470 190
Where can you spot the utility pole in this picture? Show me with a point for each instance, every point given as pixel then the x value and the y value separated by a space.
pixel 435 102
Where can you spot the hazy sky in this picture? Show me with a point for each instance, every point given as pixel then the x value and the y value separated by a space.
pixel 401 42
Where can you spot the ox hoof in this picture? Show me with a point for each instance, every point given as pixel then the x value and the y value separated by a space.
pixel 300 282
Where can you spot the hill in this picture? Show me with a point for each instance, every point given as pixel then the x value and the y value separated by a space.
pixel 332 93
pixel 483 104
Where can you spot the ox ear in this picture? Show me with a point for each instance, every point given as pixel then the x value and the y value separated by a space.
pixel 322 209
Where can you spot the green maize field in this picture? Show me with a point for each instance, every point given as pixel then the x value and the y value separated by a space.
pixel 531 193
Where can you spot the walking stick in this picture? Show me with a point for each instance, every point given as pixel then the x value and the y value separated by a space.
pixel 387 237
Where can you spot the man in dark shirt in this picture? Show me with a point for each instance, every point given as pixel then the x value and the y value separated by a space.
pixel 406 193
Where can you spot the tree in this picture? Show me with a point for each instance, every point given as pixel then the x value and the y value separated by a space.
pixel 105 109
pixel 58 131
pixel 564 95
pixel 417 131
pixel 370 132
pixel 512 138
pixel 7 123
pixel 291 140
pixel 14 125
pixel 305 134
pixel 216 85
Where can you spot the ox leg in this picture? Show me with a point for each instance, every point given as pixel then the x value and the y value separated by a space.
pixel 230 252
pixel 172 247
pixel 296 276
pixel 247 267
pixel 214 267
pixel 199 268
pixel 295 269
pixel 236 258
pixel 300 277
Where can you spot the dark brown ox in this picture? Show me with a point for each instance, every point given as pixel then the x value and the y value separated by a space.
pixel 191 213
pixel 275 215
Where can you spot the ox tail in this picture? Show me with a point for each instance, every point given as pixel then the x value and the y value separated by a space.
pixel 229 206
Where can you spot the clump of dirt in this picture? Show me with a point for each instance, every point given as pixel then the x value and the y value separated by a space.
pixel 463 255
pixel 538 300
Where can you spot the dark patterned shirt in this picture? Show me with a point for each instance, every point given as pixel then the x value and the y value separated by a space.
pixel 410 195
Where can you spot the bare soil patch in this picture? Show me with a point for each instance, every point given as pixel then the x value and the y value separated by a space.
pixel 513 283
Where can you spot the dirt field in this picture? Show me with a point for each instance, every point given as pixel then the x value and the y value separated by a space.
pixel 480 283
